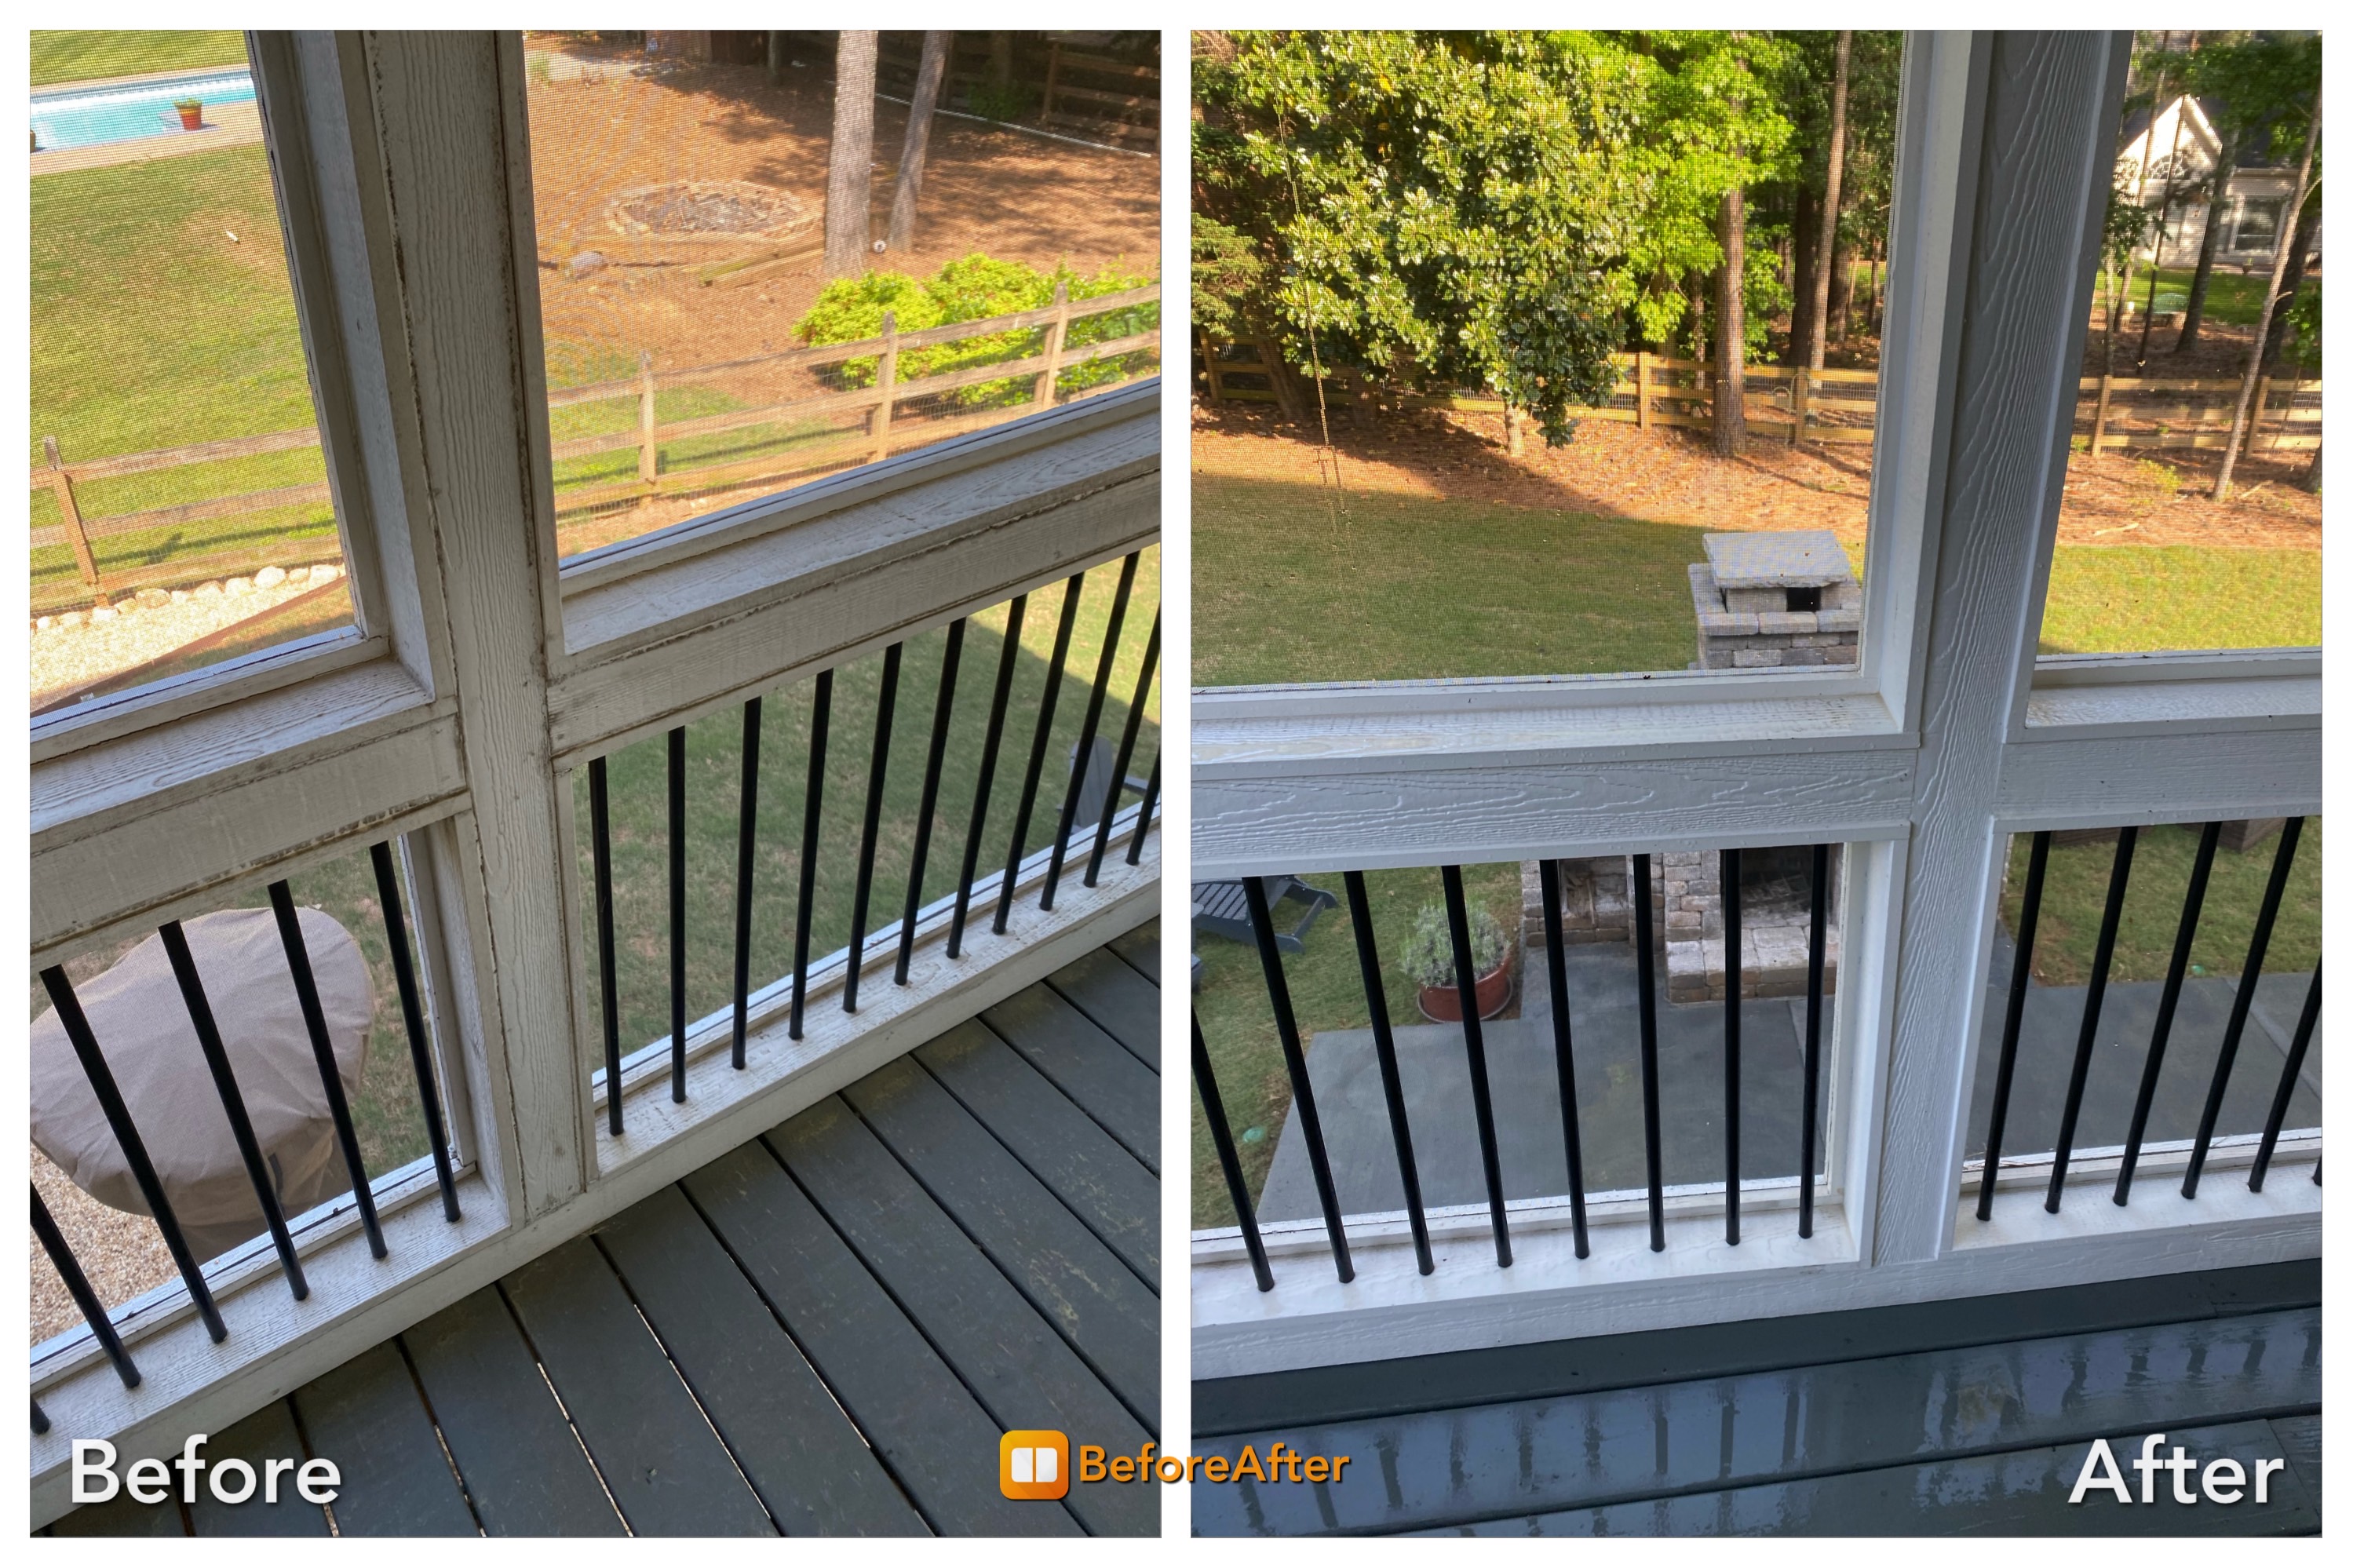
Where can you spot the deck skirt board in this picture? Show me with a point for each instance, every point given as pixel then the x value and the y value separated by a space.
pixel 825 1331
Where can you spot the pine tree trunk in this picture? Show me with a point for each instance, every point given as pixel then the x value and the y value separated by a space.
pixel 2271 306
pixel 1731 329
pixel 929 74
pixel 849 169
pixel 1805 233
pixel 2300 249
pixel 2193 309
pixel 1820 314
pixel 1841 293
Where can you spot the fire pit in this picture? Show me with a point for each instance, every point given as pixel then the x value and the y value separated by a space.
pixel 718 208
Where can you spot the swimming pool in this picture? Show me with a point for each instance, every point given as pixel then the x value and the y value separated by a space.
pixel 118 114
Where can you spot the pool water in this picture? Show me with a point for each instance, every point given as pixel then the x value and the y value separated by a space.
pixel 119 114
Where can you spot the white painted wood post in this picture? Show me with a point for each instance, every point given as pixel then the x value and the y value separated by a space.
pixel 1056 329
pixel 886 385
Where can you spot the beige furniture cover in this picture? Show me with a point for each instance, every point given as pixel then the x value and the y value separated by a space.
pixel 142 1029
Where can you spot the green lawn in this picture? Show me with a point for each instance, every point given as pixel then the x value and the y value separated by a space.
pixel 2138 598
pixel 2230 297
pixel 1327 991
pixel 2075 890
pixel 81 56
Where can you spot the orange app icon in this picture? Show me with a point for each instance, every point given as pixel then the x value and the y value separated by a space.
pixel 1034 1465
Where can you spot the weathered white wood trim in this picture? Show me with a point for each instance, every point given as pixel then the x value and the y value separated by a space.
pixel 277 1344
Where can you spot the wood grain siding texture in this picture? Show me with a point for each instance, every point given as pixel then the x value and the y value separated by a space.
pixel 442 110
pixel 2050 98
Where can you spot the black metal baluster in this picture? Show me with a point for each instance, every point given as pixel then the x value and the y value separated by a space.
pixel 678 915
pixel 330 1076
pixel 747 828
pixel 991 740
pixel 1728 876
pixel 943 710
pixel 1127 754
pixel 2282 861
pixel 2102 957
pixel 1204 1079
pixel 1647 1007
pixel 135 1148
pixel 2021 969
pixel 877 769
pixel 1817 942
pixel 40 1419
pixel 2289 1075
pixel 1030 775
pixel 1144 813
pixel 2182 940
pixel 1376 1002
pixel 1474 1045
pixel 93 1312
pixel 412 1015
pixel 820 715
pixel 600 837
pixel 1087 728
pixel 1294 1061
pixel 1564 1057
pixel 240 1125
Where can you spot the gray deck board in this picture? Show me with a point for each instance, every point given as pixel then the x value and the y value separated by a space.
pixel 1091 1171
pixel 267 1434
pixel 825 1331
pixel 370 1406
pixel 1141 948
pixel 1016 1365
pixel 809 1465
pixel 2299 1439
pixel 665 1467
pixel 1120 1092
pixel 1076 1283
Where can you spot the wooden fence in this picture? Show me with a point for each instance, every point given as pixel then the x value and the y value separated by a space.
pixel 1839 406
pixel 881 433
pixel 1081 93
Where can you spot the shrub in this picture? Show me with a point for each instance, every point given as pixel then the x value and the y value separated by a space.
pixel 973 288
pixel 998 99
pixel 1428 958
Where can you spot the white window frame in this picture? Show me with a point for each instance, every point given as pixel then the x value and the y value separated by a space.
pixel 1948 736
pixel 456 721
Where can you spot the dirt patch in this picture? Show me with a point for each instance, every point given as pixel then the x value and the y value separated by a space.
pixel 1614 470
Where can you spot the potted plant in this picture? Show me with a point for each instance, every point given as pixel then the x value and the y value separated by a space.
pixel 192 112
pixel 1428 963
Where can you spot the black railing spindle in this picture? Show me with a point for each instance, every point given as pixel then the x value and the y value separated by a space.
pixel 93 1312
pixel 1127 736
pixel 2282 861
pixel 412 1015
pixel 134 1148
pixel 601 839
pixel 1144 813
pixel 1563 1054
pixel 1376 1003
pixel 40 1419
pixel 1213 1107
pixel 1816 942
pixel 1647 1007
pixel 2103 959
pixel 747 829
pixel 991 740
pixel 677 778
pixel 1728 873
pixel 812 807
pixel 1036 769
pixel 232 1099
pixel 942 710
pixel 1474 1045
pixel 2038 861
pixel 322 1047
pixel 2288 1076
pixel 2183 938
pixel 1294 1061
pixel 1087 728
pixel 877 769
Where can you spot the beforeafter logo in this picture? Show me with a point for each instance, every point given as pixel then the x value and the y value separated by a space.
pixel 1036 1465
pixel 2222 1480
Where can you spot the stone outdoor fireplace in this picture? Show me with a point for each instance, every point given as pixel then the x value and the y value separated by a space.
pixel 1775 601
pixel 1687 917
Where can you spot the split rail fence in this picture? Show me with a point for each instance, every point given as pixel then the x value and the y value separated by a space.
pixel 2116 413
pixel 883 431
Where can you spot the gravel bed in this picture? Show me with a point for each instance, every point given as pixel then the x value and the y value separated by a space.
pixel 83 645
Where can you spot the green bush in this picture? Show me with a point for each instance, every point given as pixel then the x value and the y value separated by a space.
pixel 1428 957
pixel 998 99
pixel 975 289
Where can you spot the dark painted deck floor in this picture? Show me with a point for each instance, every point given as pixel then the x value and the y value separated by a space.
pixel 1965 1418
pixel 824 1332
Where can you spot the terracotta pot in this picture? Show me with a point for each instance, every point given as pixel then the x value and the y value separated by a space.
pixel 1444 1003
pixel 191 119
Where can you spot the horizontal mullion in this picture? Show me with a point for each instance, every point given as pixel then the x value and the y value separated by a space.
pixel 2191 774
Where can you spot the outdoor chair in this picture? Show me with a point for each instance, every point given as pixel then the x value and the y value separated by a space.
pixel 1222 909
